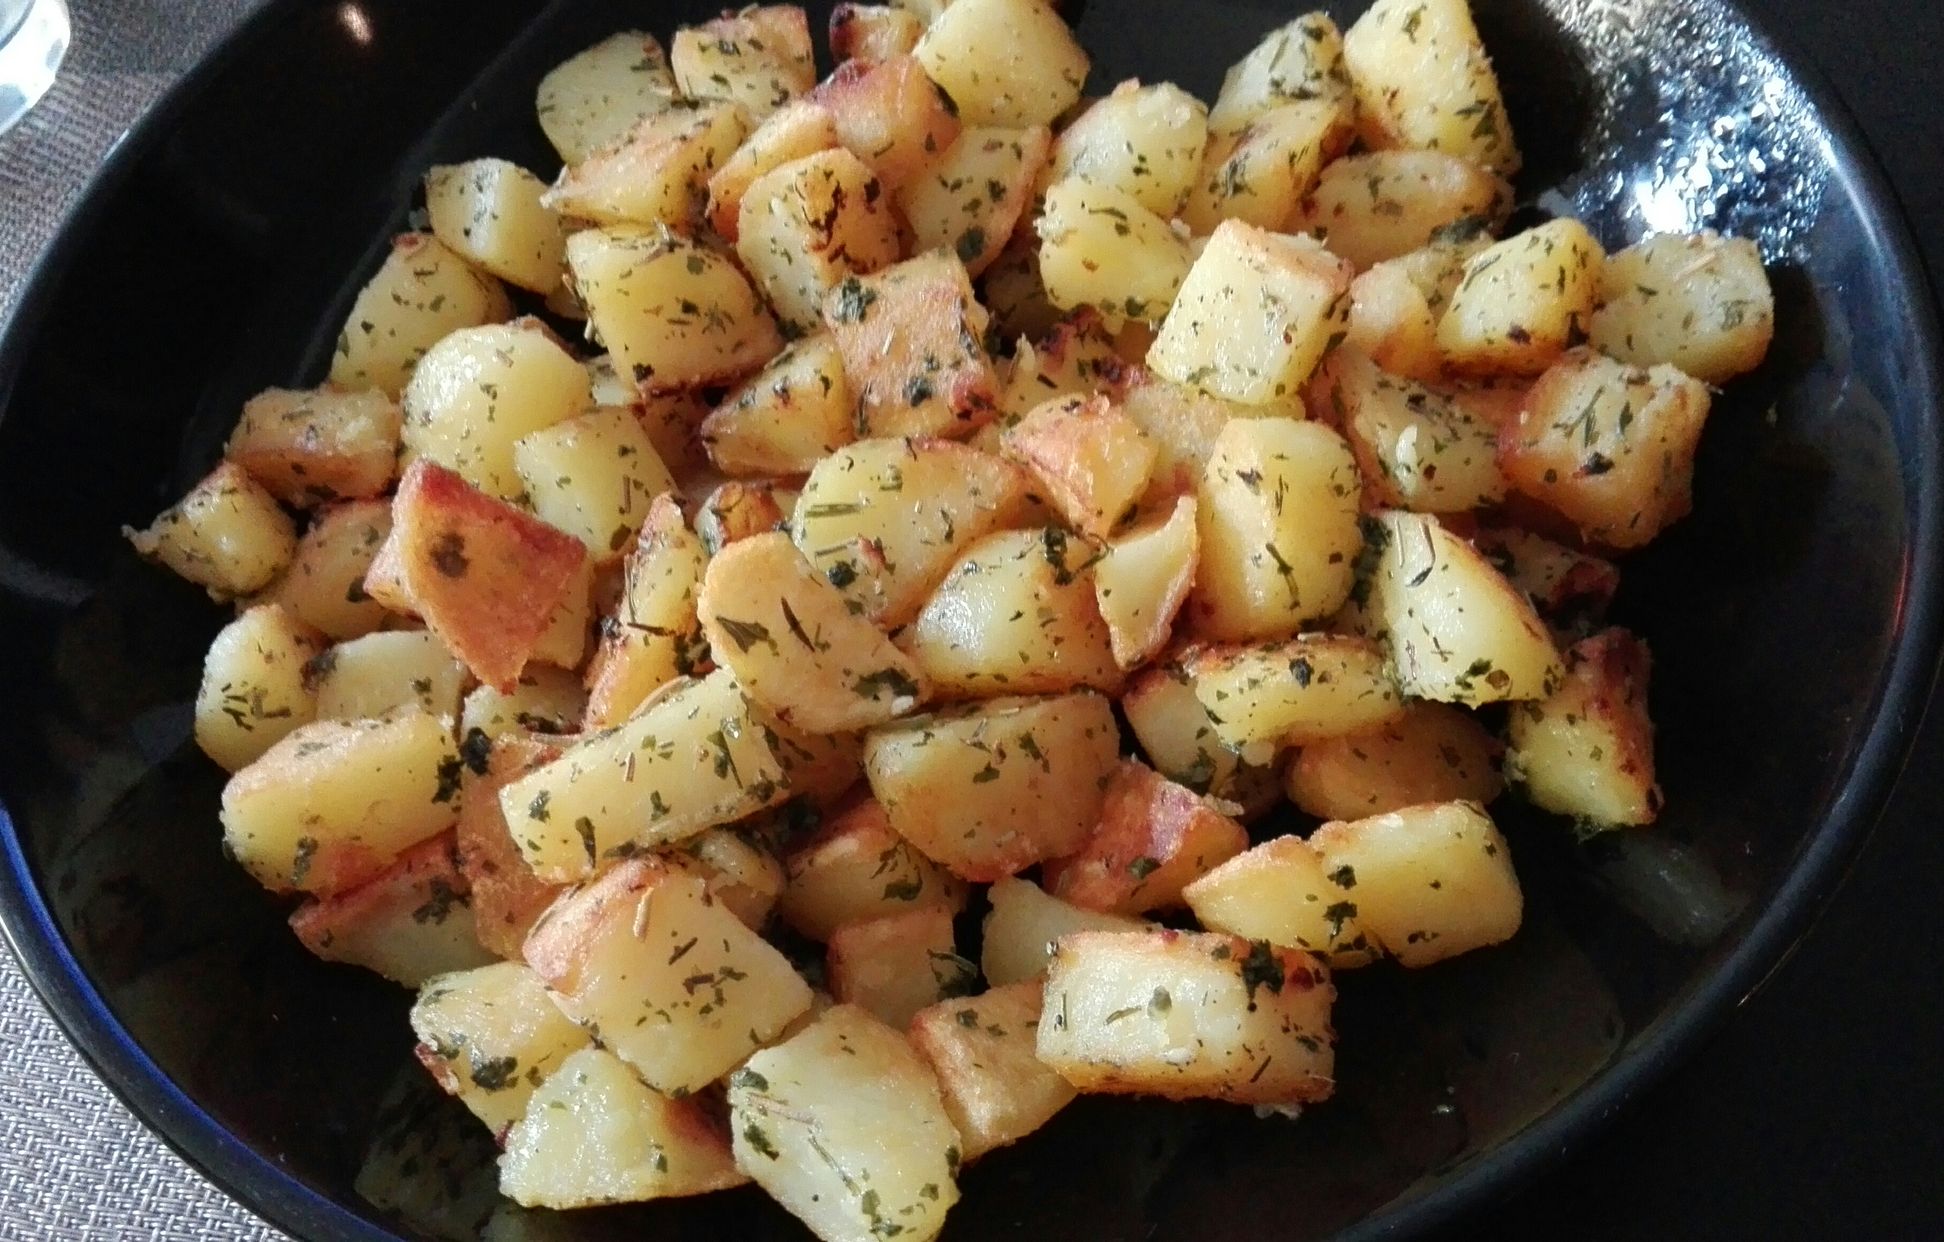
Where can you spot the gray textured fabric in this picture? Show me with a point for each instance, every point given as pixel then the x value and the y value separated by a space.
pixel 73 1163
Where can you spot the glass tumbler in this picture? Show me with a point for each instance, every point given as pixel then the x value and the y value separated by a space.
pixel 33 39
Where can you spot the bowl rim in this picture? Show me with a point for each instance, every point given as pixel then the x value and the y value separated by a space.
pixel 279 1197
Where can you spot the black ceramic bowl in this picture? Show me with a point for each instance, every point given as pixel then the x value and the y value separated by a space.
pixel 1794 616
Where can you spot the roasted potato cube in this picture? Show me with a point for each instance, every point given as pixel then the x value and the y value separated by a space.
pixel 632 278
pixel 1260 173
pixel 593 99
pixel 1154 838
pixel 1302 60
pixel 658 174
pixel 1385 204
pixel 490 213
pixel 1608 446
pixel 787 417
pixel 310 447
pixel 664 976
pixel 873 32
pixel 1430 753
pixel 324 586
pixel 912 337
pixel 740 873
pixel 737 511
pixel 890 115
pixel 1004 62
pixel 1178 737
pixel 990 789
pixel 1587 750
pixel 810 223
pixel 1016 615
pixel 1428 882
pixel 1278 529
pixel 254 690
pixel 795 646
pixel 1145 141
pixel 1187 1015
pixel 1074 357
pixel 895 965
pixel 1089 459
pixel 1423 80
pixel 1309 687
pixel 982 1048
pixel 1280 892
pixel 855 869
pixel 490 1035
pixel 1697 301
pixel 1565 585
pixel 1390 323
pixel 485 576
pixel 842 1124
pixel 1100 247
pixel 479 390
pixel 1183 423
pixel 1142 581
pixel 1417 448
pixel 507 897
pixel 409 923
pixel 361 678
pixel 421 293
pixel 1297 291
pixel 227 535
pixel 593 1133
pixel 793 131
pixel 654 636
pixel 1019 930
pixel 1523 302
pixel 970 201
pixel 593 476
pixel 760 58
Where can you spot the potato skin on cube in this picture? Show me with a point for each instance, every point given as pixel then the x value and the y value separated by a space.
pixel 1588 749
pixel 1431 752
pixel 1154 838
pixel 982 1048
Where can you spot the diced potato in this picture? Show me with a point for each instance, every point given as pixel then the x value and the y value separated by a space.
pixel 365 677
pixel 760 58
pixel 1423 80
pixel 970 201
pixel 1179 738
pixel 594 1133
pixel 479 390
pixel 886 519
pixel 489 212
pixel 1296 291
pixel 1428 882
pixel 993 788
pixel 890 115
pixel 1100 247
pixel 1023 924
pixel 310 447
pixel 789 133
pixel 795 647
pixel 1588 749
pixel 654 637
pixel 1004 62
pixel 507 897
pixel 1430 753
pixel 1565 585
pixel 898 964
pixel 912 337
pixel 843 1125
pixel 410 923
pixel 1145 141
pixel 1154 838
pixel 324 586
pixel 739 873
pixel 1306 688
pixel 1392 324
pixel 591 100
pixel 1183 423
pixel 332 804
pixel 1280 892
pixel 1278 529
pixel 422 293
pixel 787 417
pixel 485 576
pixel 254 690
pixel 1302 60
pixel 1697 301
pixel 1089 459
pixel 690 759
pixel 1260 173
pixel 664 976
pixel 630 278
pixel 1013 292
pixel 1458 631
pixel 873 32
pixel 1142 581
pixel 856 868
pixel 808 224
pixel 673 421
pixel 658 174
pixel 227 535
pixel 1189 1014
pixel 1385 204
pixel 1015 615
pixel 593 476
pixel 1523 302
pixel 1417 448
pixel 982 1049
pixel 1074 357
pixel 1608 446
pixel 490 1036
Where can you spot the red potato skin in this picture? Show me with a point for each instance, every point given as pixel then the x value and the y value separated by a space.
pixel 507 897
pixel 1154 837
pixel 423 868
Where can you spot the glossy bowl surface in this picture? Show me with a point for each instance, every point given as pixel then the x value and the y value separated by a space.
pixel 1794 618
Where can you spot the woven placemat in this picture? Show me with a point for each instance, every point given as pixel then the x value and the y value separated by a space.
pixel 74 1164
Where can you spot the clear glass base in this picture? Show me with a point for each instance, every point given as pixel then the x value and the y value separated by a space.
pixel 30 54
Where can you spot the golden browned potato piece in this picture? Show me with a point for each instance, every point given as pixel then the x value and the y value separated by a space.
pixel 1301 60
pixel 1423 80
pixel 890 115
pixel 1280 892
pixel 1143 580
pixel 324 586
pixel 369 676
pixel 760 58
pixel 1004 62
pixel 787 417
pixel 982 1049
pixel 320 445
pixel 508 898
pixel 491 213
pixel 912 337
pixel 1154 838
pixel 856 868
pixel 873 32
pixel 1431 753
pixel 1259 173
pixel 1523 302
pixel 808 224
pixel 897 964
pixel 256 685
pixel 971 199
pixel 228 536
pixel 1697 301
pixel 1293 692
pixel 1090 460
pixel 1145 140
pixel 490 1036
pixel 410 923
pixel 802 127
pixel 1588 750
pixel 422 292
pixel 592 99
pixel 1384 204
